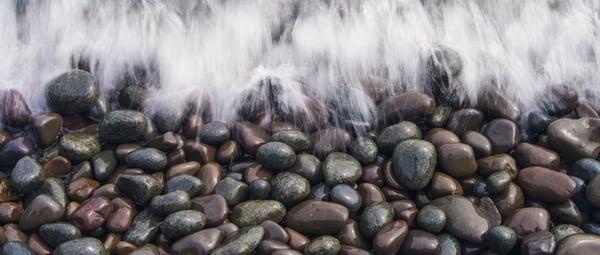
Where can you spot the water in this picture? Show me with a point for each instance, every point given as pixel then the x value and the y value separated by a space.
pixel 210 52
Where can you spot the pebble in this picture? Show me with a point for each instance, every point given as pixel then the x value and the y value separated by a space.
pixel 255 212
pixel 309 167
pixel 210 174
pixel 27 175
pixel 104 164
pixel 289 188
pixel 390 237
pixel 46 128
pixel 10 212
pixel 509 200
pixel 141 188
pixel 501 239
pixel 201 242
pixel 182 223
pixel 495 104
pixel 341 168
pixel 592 192
pixel 347 196
pixel 541 242
pixel 20 248
pixel 243 242
pixel 374 217
pixel 297 140
pixel 232 190
pixel 465 120
pixel 503 135
pixel 214 207
pixel 123 126
pixel 528 155
pixel 394 134
pixel 73 92
pixel 144 228
pixel 528 220
pixel 326 141
pixel 275 231
pixel 323 245
pixel 411 106
pixel 149 159
pixel 92 213
pixel 463 219
pixel 431 219
pixel 55 234
pixel 350 235
pixel 442 184
pixel 420 242
pixel 563 231
pixel 579 244
pixel 413 163
pixel 545 184
pixel 42 209
pixel 249 136
pixel 575 139
pixel 260 189
pixel 268 246
pixel 214 133
pixel 169 203
pixel 132 97
pixel 187 183
pixel 458 160
pixel 81 188
pixel 482 147
pixel 585 169
pixel 81 246
pixel 228 152
pixel 14 150
pixel 78 147
pixel 449 245
pixel 440 136
pixel 364 150
pixel 57 166
pixel 317 217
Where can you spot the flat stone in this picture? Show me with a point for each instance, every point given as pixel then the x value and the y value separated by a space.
pixel 243 242
pixel 575 139
pixel 254 212
pixel 463 219
pixel 317 217
pixel 81 246
pixel 78 147
pixel 201 242
pixel 545 184
pixel 42 209
pixel 122 126
pixel 144 228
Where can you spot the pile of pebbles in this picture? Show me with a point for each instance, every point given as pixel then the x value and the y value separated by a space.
pixel 434 177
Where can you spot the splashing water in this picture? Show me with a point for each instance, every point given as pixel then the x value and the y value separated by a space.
pixel 213 51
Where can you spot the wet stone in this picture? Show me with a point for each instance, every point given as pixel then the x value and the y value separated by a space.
pixel 255 212
pixel 259 189
pixel 458 160
pixel 289 188
pixel 413 163
pixel 585 169
pixel 449 245
pixel 55 234
pixel 341 168
pixel 309 167
pixel 431 219
pixel 144 228
pixel 187 183
pixel 47 128
pixel 43 209
pixel 326 218
pixel 465 120
pixel 579 244
pixel 528 220
pixel 541 242
pixel 122 126
pixel 394 134
pixel 545 184
pixel 501 239
pixel 13 247
pixel 496 104
pixel 92 213
pixel 347 196
pixel 14 150
pixel 232 190
pixel 498 182
pixel 503 135
pixel 528 155
pixel 26 176
pixel 182 223
pixel 201 242
pixel 10 212
pixel 149 159
pixel 480 144
pixel 440 136
pixel 592 191
pixel 575 139
pixel 297 140
pixel 364 150
pixel 563 231
pixel 57 166
pixel 81 246
pixel 81 188
pixel 214 207
pixel 78 147
pixel 72 92
pixel 323 245
pixel 141 188
pixel 169 203
pixel 411 106
pixel 463 219
pixel 374 217
pixel 419 242
pixel 275 231
pixel 214 133
pixel 243 242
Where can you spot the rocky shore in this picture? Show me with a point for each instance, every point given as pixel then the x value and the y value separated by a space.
pixel 435 174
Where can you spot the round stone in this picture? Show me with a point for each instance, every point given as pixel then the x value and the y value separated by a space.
pixel 73 92
pixel 214 133
pixel 585 169
pixel 563 231
pixel 78 147
pixel 260 189
pixel 289 188
pixel 149 159
pixel 81 246
pixel 317 217
pixel 299 141
pixel 323 245
pixel 347 196
pixel 498 182
pixel 276 156
pixel 16 247
pixel 431 219
pixel 309 167
pixel 255 212
pixel 501 239
pixel 341 168
pixel 187 183
pixel 232 190
pixel 170 203
pixel 55 234
pixel 364 150
pixel 42 209
pixel 413 162
pixel 182 223
pixel 123 126
pixel 463 219
pixel 27 176
pixel 144 228
pixel 141 188
pixel 242 242
pixel 374 217
pixel 394 134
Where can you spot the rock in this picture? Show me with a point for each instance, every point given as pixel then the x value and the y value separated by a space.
pixel 374 217
pixel 182 223
pixel 419 242
pixel 149 159
pixel 78 147
pixel 14 247
pixel 413 163
pixel 10 212
pixel 541 242
pixel 42 209
pixel 496 104
pixel 463 219
pixel 528 220
pixel 81 188
pixel 592 192
pixel 563 231
pixel 364 150
pixel 566 212
pixel 431 219
pixel 309 167
pixel 394 134
pixel 289 188
pixel 275 231
pixel 144 228
pixel 72 92
pixel 442 184
pixel 341 168
pixel 123 126
pixel 210 174
pixel 249 136
pixel 47 128
pixel 104 164
pixel 27 176
pixel 57 166
pixel 132 97
pixel 170 203
pixel 585 169
pixel 444 68
pixel 92 213
pixel 317 217
pixel 370 193
pixel 458 160
pixel 497 163
pixel 479 143
pixel 498 182
pixel 139 187
pixel 389 239
pixel 14 150
pixel 503 135
pixel 15 111
pixel 411 106
pixel 228 152
pixel 81 246
pixel 187 183
pixel 509 200
pixel 545 184
pixel 448 245
pixel 579 244
pixel 465 120
pixel 201 242
pixel 330 140
pixel 440 136
pixel 269 246
pixel 214 207
pixel 243 242
pixel 297 140
pixel 528 155
pixel 350 235
pixel 214 133
pixel 347 196
pixel 169 118
pixel 100 109
pixel 254 212
pixel 260 189
pixel 55 234
pixel 559 100
pixel 323 245
pixel 575 139
pixel 276 156
pixel 232 190
pixel 440 116
pixel 538 121
pixel 501 239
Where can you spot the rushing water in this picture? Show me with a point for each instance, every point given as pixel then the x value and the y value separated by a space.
pixel 210 51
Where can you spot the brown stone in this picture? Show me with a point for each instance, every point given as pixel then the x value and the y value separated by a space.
pixel 192 126
pixel 124 149
pixel 528 220
pixel 201 242
pixel 6 192
pixel 330 140
pixel 509 200
pixel 465 120
pixel 257 172
pixel 503 135
pixel 210 174
pixel 187 168
pixel 480 144
pixel 349 250
pixel 43 209
pixel 394 194
pixel 575 139
pixel 165 142
pixel 249 136
pixel 370 193
pixel 412 106
pixel 373 174
pixel 107 190
pixel 440 136
pixel 275 231
pixel 496 163
pixel 57 166
pixel 196 151
pixel 317 217
pixel 10 212
pixel 214 207
pixel 546 185
pixel 405 210
pixel 390 238
pixel 37 245
pixel 527 155
pixel 350 235
pixel 458 160
pixel 13 233
pixel 120 219
pixel 14 111
pixel 228 152
pixel 81 188
pixel 579 244
pixel 92 213
pixel 111 241
pixel 586 110
pixel 389 175
pixel 125 248
pixel 419 242
pixel 175 157
pixel 442 184
pixel 297 241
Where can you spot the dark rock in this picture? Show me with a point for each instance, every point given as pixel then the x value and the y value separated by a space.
pixel 323 245
pixel 139 187
pixel 276 156
pixel 463 219
pixel 501 239
pixel 43 209
pixel 528 220
pixel 347 196
pixel 169 203
pixel 309 167
pixel 187 183
pixel 27 176
pixel 81 246
pixel 394 134
pixel 289 188
pixel 410 106
pixel 431 219
pixel 14 150
pixel 123 126
pixel 249 136
pixel 149 159
pixel 559 100
pixel 503 135
pixel 575 139
pixel 458 159
pixel 47 128
pixel 255 212
pixel 413 162
pixel 364 150
pixel 545 184
pixel 214 133
pixel 243 242
pixel 341 168
pixel 496 104
pixel 78 147
pixel 299 141
pixel 444 68
pixel 579 244
pixel 201 242
pixel 16 248
pixel 563 231
pixel 330 140
pixel 104 164
pixel 317 217
pixel 72 92
pixel 419 242
pixel 232 190
pixel 132 97
pixel 374 217
pixel 55 234
pixel 182 223
pixel 541 242
pixel 144 228
pixel 214 207
pixel 585 169
pixel 465 120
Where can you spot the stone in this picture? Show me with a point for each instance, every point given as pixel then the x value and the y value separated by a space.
pixel 169 203
pixel 27 176
pixel 141 188
pixel 13 247
pixel 341 168
pixel 57 166
pixel 410 106
pixel 465 120
pixel 528 220
pixel 46 128
pixel 374 217
pixel 545 184
pixel 187 183
pixel 249 136
pixel 214 207
pixel 585 169
pixel 144 228
pixel 289 188
pixel 182 223
pixel 541 242
pixel 479 143
pixel 575 139
pixel 323 245
pixel 449 245
pixel 214 133
pixel 201 242
pixel 442 184
pixel 503 135
pixel 326 141
pixel 122 126
pixel 440 136
pixel 500 162
pixel 528 155
pixel 496 104
pixel 42 209
pixel 104 164
pixel 55 234
pixel 243 242
pixel 255 212
pixel 81 246
pixel 72 92
pixel 276 156
pixel 559 99
pixel 149 159
pixel 413 163
pixel 317 217
pixel 14 150
pixel 394 134
pixel 592 192
pixel 232 190
pixel 350 235
pixel 364 150
pixel 579 244
pixel 463 219
pixel 389 239
pixel 347 196
pixel 458 160
pixel 431 219
pixel 563 231
pixel 228 152
pixel 78 147
pixel 309 167
pixel 501 239
pixel 419 242
pixel 297 140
